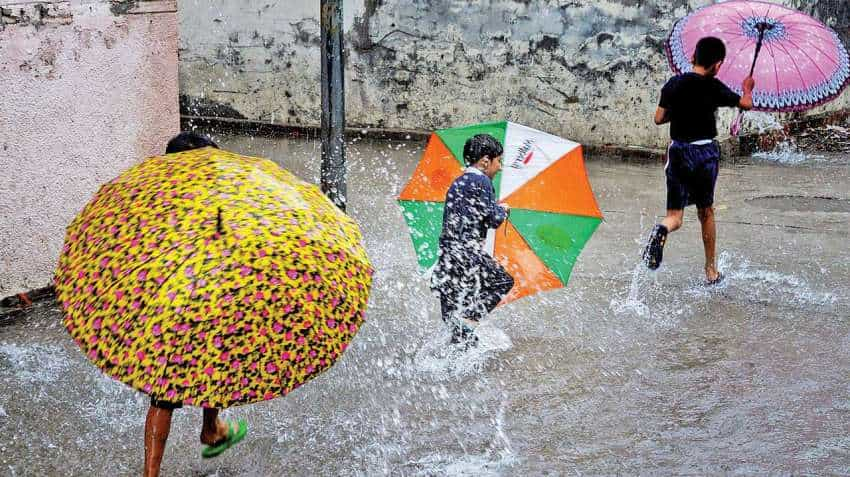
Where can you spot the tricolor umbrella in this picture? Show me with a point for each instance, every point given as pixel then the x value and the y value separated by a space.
pixel 543 179
pixel 212 279
pixel 797 62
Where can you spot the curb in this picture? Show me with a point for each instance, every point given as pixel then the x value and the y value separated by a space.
pixel 270 129
pixel 218 125
pixel 16 305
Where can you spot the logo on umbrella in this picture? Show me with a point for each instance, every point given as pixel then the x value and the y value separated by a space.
pixel 525 154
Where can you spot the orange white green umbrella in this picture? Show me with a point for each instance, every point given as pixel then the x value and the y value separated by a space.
pixel 543 180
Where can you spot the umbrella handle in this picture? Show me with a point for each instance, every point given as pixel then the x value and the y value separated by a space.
pixel 735 128
pixel 762 28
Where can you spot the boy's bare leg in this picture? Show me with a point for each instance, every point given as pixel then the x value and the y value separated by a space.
pixel 157 426
pixel 674 218
pixel 214 429
pixel 709 239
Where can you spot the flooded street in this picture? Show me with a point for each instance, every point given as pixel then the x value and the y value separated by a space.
pixel 624 372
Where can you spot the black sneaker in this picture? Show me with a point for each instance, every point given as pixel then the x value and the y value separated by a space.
pixel 654 250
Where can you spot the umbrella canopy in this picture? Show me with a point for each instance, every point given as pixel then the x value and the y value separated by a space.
pixel 553 211
pixel 801 63
pixel 212 279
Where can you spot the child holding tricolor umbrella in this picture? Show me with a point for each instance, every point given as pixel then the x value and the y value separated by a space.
pixel 456 206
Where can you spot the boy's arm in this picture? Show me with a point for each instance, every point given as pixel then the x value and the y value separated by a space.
pixel 662 116
pixel 495 214
pixel 662 113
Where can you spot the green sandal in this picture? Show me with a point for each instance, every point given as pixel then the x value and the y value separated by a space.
pixel 233 438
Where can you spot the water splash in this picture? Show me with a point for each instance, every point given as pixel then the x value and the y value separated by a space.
pixel 441 360
pixel 493 461
pixel 772 286
pixel 762 122
pixel 634 304
pixel 785 152
pixel 746 282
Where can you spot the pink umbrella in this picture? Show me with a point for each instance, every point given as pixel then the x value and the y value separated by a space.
pixel 801 62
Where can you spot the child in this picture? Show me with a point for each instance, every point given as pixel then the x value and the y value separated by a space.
pixel 689 102
pixel 216 433
pixel 469 281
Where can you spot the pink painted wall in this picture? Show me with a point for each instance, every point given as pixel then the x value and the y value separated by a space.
pixel 87 88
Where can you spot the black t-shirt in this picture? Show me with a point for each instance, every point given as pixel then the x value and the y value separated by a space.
pixel 692 101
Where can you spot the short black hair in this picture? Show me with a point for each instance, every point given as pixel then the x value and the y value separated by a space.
pixel 479 146
pixel 188 140
pixel 709 51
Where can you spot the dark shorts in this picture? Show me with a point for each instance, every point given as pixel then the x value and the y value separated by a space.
pixel 166 404
pixel 470 285
pixel 691 174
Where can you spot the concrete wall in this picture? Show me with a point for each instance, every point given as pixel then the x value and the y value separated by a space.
pixel 88 88
pixel 589 70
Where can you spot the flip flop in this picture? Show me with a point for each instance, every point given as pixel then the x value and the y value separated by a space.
pixel 233 438
pixel 716 281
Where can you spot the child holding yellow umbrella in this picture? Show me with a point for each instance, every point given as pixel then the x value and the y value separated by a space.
pixel 211 279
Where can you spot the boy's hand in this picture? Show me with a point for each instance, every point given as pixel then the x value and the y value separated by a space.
pixel 507 208
pixel 748 85
pixel 746 102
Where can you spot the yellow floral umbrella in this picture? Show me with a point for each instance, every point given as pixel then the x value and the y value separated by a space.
pixel 212 279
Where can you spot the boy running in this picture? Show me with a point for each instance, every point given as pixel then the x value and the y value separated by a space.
pixel 689 103
pixel 469 281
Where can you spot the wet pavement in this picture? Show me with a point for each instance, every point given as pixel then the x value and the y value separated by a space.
pixel 624 372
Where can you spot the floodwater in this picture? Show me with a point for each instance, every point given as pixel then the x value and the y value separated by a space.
pixel 624 372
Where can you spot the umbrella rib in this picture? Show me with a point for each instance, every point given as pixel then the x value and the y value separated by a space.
pixel 175 269
pixel 117 282
pixel 113 285
pixel 775 67
pixel 796 67
pixel 753 11
pixel 741 16
pixel 729 22
pixel 826 78
pixel 731 32
pixel 164 369
pixel 821 52
pixel 817 28
pixel 735 56
pixel 747 43
pixel 737 53
pixel 807 23
pixel 789 14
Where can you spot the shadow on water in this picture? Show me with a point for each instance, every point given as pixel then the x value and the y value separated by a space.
pixel 622 372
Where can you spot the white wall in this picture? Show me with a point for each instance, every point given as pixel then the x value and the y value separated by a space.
pixel 589 70
pixel 87 89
